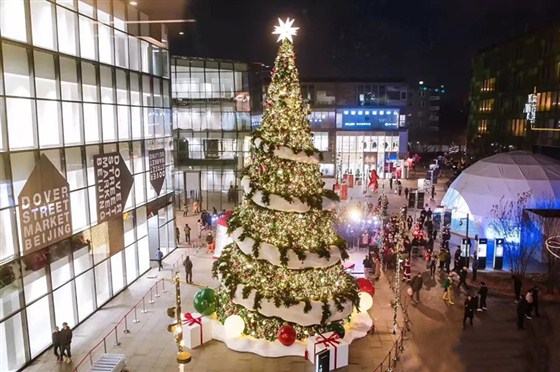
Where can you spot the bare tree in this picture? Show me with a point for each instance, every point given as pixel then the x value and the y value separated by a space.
pixel 508 223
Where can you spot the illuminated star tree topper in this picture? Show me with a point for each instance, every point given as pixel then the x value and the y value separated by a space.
pixel 285 30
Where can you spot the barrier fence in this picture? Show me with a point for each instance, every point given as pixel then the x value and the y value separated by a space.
pixel 112 338
pixel 390 362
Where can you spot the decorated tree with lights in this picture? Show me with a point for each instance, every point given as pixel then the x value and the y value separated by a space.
pixel 283 275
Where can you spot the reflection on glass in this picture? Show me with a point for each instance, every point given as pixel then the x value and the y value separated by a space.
pixel 85 295
pixel 34 275
pixel 39 320
pixel 10 288
pixel 102 282
pixel 64 305
pixel 12 354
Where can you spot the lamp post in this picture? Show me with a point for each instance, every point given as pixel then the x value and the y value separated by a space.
pixel 183 357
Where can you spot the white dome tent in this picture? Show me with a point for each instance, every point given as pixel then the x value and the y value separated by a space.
pixel 499 179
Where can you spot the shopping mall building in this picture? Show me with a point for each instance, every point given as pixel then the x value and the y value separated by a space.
pixel 86 182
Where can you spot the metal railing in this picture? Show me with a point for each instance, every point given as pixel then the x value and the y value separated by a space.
pixel 102 346
pixel 390 362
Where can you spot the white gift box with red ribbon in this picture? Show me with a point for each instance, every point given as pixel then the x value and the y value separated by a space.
pixel 338 349
pixel 197 329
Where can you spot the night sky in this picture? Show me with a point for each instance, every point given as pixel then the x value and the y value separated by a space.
pixel 430 40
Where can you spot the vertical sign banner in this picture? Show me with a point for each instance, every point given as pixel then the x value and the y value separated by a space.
pixel 113 183
pixel 44 207
pixel 157 168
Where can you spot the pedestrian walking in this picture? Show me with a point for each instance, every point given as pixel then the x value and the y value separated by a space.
pixel 529 299
pixel 188 269
pixel 433 191
pixel 187 231
pixel 377 263
pixel 210 242
pixel 521 311
pixel 474 267
pixel 391 182
pixel 463 278
pixel 406 271
pixel 159 258
pixel 432 265
pixel 442 257
pixel 177 235
pixel 367 266
pixel 447 286
pixel 65 342
pixel 517 286
pixel 56 344
pixel 399 187
pixel 482 293
pixel 535 292
pixel 447 260
pixel 416 285
pixel 406 191
pixel 186 211
pixel 409 222
pixel 469 311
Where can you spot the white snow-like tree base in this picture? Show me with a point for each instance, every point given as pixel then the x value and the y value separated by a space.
pixel 270 253
pixel 294 313
pixel 359 326
pixel 279 203
pixel 287 153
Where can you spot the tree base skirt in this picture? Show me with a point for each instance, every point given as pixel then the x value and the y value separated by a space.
pixel 359 326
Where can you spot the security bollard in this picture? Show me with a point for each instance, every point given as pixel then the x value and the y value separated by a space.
pixel 126 330
pixel 151 297
pixel 117 343
pixel 144 305
pixel 135 320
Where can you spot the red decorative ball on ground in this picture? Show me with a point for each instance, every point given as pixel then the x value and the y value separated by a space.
pixel 287 335
pixel 366 285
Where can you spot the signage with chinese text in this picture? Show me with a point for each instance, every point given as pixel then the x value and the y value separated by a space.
pixel 113 183
pixel 44 207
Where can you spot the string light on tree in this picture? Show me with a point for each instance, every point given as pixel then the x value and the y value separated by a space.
pixel 285 31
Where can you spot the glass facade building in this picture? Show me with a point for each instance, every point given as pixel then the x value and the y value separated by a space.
pixel 215 103
pixel 77 80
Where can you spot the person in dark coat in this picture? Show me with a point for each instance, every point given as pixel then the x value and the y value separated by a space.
pixel 521 311
pixel 469 311
pixel 409 222
pixel 56 344
pixel 463 278
pixel 535 292
pixel 188 269
pixel 474 267
pixel 416 285
pixel 65 342
pixel 517 286
pixel 406 194
pixel 482 293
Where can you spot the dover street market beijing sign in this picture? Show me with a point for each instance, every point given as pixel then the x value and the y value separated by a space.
pixel 44 207
pixel 113 183
pixel 157 168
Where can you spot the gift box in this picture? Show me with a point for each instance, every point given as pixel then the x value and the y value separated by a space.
pixel 338 349
pixel 197 330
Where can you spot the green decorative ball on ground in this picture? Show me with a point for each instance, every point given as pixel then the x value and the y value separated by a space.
pixel 205 301
pixel 337 328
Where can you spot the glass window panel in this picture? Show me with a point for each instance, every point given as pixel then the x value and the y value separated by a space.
pixel 21 127
pixel 139 188
pixel 143 255
pixel 145 55
pixel 122 91
pixel 87 38
pixel 12 354
pixel 75 170
pixel 22 165
pixel 119 16
pixel 89 82
pixel 102 282
pixel 91 151
pixel 92 204
pixel 42 24
pixel 3 130
pixel 91 123
pixel 138 157
pixel 109 129
pixel 34 275
pixel 134 53
pixel 10 292
pixel 85 294
pixel 131 271
pixel 149 122
pixel 38 319
pixel 45 80
pixel 156 61
pixel 12 19
pixel 71 117
pixel 85 7
pixel 82 257
pixel 124 124
pixel 16 70
pixel 117 273
pixel 146 91
pixel 166 93
pixel 104 11
pixel 66 31
pixel 121 48
pixel 79 205
pixel 136 120
pixel 61 268
pixel 157 92
pixel 105 44
pixel 107 85
pixel 135 89
pixel 50 130
pixel 141 222
pixel 6 197
pixel 69 79
pixel 64 305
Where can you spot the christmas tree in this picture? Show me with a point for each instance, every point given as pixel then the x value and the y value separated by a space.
pixel 284 268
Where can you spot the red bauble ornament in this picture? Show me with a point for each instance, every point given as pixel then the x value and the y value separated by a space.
pixel 287 335
pixel 366 286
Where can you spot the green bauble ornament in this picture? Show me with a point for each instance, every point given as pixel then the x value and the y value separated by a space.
pixel 205 301
pixel 337 328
